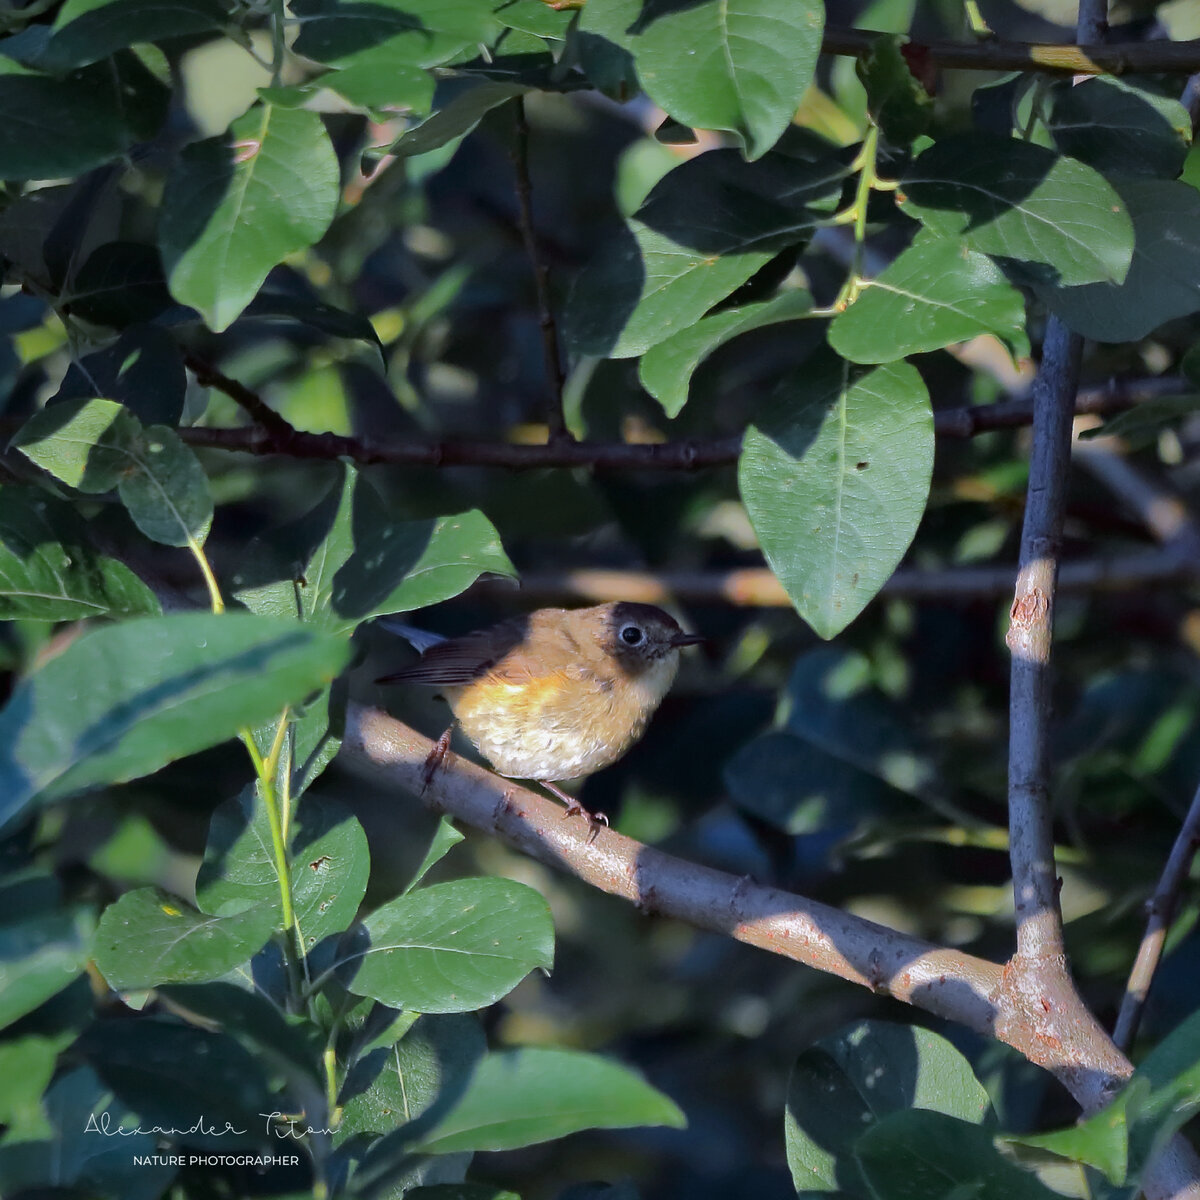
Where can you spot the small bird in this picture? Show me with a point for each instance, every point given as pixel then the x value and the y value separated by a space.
pixel 557 694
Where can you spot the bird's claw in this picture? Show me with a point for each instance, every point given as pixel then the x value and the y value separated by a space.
pixel 594 820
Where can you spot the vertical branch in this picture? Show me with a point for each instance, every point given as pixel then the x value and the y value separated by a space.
pixel 1035 879
pixel 555 378
pixel 1031 834
pixel 1161 908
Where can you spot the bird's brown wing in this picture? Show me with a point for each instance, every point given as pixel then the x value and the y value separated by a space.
pixel 463 659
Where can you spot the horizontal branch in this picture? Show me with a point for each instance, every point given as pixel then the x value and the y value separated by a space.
pixel 992 54
pixel 758 587
pixel 277 437
pixel 951 984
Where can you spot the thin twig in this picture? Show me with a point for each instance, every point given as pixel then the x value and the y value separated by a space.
pixel 555 378
pixel 950 983
pixel 273 435
pixel 992 54
pixel 1161 909
pixel 255 407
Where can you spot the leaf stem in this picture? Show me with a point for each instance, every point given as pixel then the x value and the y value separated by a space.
pixel 864 163
pixel 264 769
pixel 216 600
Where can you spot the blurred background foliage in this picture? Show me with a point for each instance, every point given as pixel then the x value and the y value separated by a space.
pixel 868 774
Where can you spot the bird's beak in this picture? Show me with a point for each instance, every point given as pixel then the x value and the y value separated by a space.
pixel 687 639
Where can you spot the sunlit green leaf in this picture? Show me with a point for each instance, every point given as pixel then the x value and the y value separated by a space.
pixel 745 69
pixel 521 1097
pixel 834 477
pixel 124 700
pixel 148 937
pixel 237 205
pixel 452 947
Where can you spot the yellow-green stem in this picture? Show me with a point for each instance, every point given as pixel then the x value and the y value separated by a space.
pixel 263 768
pixel 329 1059
pixel 210 580
pixel 865 164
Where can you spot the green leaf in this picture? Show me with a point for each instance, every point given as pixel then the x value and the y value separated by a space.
pixel 897 102
pixel 801 788
pixel 417 1078
pixel 426 33
pixel 237 205
pixel 120 283
pixel 1140 427
pixel 293 1042
pixel 445 838
pixel 705 228
pixel 453 947
pixel 38 958
pixel 81 442
pixel 123 701
pixel 179 1077
pixel 916 1154
pixel 1118 127
pixel 148 937
pixel 937 292
pixel 50 570
pixel 94 445
pixel 521 1097
pixel 328 860
pixel 26 1066
pixel 78 1156
pixel 666 369
pixel 834 477
pixel 377 78
pixel 54 128
pixel 142 370
pixel 1021 201
pixel 536 17
pixel 457 118
pixel 747 66
pixel 85 31
pixel 1125 1136
pixel 167 492
pixel 348 560
pixel 464 1191
pixel 1164 276
pixel 845 1084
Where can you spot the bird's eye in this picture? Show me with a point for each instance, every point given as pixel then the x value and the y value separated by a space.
pixel 631 635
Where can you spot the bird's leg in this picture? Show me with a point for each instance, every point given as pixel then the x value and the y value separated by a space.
pixel 594 820
pixel 435 758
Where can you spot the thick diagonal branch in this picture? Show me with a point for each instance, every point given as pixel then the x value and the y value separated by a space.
pixel 950 983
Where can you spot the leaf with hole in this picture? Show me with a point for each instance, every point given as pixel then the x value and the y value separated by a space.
pixel 328 862
pixel 834 476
